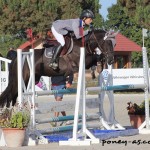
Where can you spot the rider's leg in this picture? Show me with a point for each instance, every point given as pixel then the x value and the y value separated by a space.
pixel 60 39
pixel 54 62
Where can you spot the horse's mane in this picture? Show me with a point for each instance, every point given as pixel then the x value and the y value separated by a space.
pixel 99 30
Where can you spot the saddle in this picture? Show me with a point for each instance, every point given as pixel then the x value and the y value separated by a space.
pixel 51 43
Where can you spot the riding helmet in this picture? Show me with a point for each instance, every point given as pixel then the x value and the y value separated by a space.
pixel 87 13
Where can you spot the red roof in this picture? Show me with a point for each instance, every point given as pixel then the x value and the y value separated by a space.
pixel 125 44
pixel 27 44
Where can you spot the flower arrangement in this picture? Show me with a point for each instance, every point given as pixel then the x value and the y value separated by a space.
pixel 15 117
pixel 134 109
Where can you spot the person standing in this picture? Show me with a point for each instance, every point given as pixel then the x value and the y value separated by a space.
pixel 12 54
pixel 58 83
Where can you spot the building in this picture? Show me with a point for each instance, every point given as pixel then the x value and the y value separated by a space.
pixel 123 50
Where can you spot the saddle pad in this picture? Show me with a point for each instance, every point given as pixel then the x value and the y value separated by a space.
pixel 49 52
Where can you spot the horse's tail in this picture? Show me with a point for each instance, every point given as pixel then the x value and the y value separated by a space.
pixel 9 94
pixel 6 96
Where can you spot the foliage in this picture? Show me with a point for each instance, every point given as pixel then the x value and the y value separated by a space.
pixel 18 15
pixel 119 20
pixel 69 9
pixel 7 41
pixel 38 15
pixel 134 109
pixel 139 10
pixel 14 117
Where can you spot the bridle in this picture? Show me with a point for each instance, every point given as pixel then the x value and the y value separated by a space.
pixel 91 51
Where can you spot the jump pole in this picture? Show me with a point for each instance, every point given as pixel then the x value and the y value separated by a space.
pixel 51 92
pixel 115 87
pixel 80 98
pixel 65 118
pixel 146 123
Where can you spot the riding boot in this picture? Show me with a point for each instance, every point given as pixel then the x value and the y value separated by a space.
pixel 54 62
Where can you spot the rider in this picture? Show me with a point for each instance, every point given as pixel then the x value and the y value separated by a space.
pixel 61 27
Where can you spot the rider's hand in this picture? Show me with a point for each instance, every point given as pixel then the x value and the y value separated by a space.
pixel 68 85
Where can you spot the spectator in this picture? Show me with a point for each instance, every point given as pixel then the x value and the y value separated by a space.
pixel 58 83
pixel 12 54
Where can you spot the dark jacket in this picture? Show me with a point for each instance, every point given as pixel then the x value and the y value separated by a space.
pixel 61 80
pixel 11 54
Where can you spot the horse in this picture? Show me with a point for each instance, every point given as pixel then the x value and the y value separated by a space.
pixel 67 64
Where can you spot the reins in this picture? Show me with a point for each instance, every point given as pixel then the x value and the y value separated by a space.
pixel 99 46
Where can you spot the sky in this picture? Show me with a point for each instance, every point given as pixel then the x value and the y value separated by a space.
pixel 105 4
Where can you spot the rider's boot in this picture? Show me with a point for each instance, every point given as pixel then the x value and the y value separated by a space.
pixel 54 63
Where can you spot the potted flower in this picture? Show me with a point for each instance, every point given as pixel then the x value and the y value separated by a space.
pixel 136 113
pixel 13 122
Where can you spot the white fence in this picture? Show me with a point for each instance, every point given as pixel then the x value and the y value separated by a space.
pixel 44 83
pixel 4 73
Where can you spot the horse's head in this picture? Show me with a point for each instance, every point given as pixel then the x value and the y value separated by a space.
pixel 103 42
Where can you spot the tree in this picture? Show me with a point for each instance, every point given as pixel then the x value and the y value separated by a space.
pixel 23 14
pixel 119 20
pixel 139 10
pixel 18 15
pixel 69 9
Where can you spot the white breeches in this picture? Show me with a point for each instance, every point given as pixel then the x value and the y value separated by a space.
pixel 58 36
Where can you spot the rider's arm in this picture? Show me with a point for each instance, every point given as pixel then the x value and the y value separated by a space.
pixel 69 81
pixel 75 27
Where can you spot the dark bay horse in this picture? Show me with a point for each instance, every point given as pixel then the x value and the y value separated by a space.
pixel 67 64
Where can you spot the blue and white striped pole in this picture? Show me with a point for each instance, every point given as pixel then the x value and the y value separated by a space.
pixel 115 87
pixel 51 92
